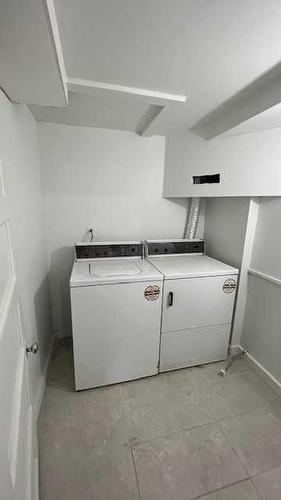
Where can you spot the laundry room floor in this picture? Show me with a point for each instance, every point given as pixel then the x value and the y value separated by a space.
pixel 177 436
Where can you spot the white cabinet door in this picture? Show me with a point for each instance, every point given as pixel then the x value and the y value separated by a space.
pixel 18 444
pixel 196 302
pixel 116 333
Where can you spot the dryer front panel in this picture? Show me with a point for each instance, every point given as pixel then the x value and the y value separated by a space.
pixel 198 302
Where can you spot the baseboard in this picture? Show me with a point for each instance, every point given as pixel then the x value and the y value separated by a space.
pixel 42 385
pixel 267 377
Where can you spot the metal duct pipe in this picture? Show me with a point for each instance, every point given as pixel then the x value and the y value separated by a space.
pixel 193 219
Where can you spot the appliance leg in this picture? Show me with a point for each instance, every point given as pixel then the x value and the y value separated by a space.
pixel 231 358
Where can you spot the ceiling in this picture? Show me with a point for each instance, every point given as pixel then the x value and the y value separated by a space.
pixel 206 50
pixel 211 53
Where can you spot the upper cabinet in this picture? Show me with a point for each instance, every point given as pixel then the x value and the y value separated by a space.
pixel 238 165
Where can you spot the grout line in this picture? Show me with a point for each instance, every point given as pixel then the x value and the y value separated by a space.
pixel 234 451
pixel 256 489
pixel 220 489
pixel 264 407
pixel 265 471
pixel 188 429
pixel 191 429
pixel 170 434
pixel 136 474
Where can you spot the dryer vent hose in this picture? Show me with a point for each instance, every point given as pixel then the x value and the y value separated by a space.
pixel 193 219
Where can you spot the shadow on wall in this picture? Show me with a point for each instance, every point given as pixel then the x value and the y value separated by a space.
pixel 60 270
pixel 42 308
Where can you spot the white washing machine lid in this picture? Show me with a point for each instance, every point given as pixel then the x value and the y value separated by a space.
pixel 110 271
pixel 114 268
pixel 190 266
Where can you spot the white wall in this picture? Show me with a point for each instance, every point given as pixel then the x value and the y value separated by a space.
pixel 262 327
pixel 225 228
pixel 249 164
pixel 267 250
pixel 21 173
pixel 229 232
pixel 112 180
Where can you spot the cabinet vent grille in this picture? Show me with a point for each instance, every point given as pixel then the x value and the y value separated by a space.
pixel 206 179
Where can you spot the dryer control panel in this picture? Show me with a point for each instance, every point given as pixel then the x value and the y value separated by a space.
pixel 168 247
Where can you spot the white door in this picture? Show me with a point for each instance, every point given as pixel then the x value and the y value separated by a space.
pixel 18 442
pixel 196 302
pixel 116 333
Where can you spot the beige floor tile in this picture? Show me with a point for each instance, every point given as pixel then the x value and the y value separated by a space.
pixel 186 465
pixel 165 413
pixel 269 484
pixel 237 394
pixel 95 474
pixel 86 438
pixel 256 438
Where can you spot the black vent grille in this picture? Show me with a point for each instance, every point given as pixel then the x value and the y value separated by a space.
pixel 206 179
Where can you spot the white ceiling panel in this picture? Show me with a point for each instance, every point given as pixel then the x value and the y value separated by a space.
pixel 92 111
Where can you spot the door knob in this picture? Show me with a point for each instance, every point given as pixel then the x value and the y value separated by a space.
pixel 32 348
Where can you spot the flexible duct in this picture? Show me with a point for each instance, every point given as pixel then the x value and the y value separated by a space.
pixel 193 219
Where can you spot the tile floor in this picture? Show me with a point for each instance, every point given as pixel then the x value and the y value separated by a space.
pixel 177 436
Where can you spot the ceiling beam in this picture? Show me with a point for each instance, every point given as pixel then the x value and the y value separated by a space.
pixel 50 13
pixel 257 97
pixel 108 90
pixel 145 125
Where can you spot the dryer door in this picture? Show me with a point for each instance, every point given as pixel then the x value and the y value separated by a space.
pixel 197 302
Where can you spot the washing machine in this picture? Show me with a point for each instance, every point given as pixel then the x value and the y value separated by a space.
pixel 198 302
pixel 116 299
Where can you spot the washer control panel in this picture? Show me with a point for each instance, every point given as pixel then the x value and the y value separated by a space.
pixel 163 247
pixel 107 250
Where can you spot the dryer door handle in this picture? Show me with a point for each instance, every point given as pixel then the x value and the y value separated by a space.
pixel 170 298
